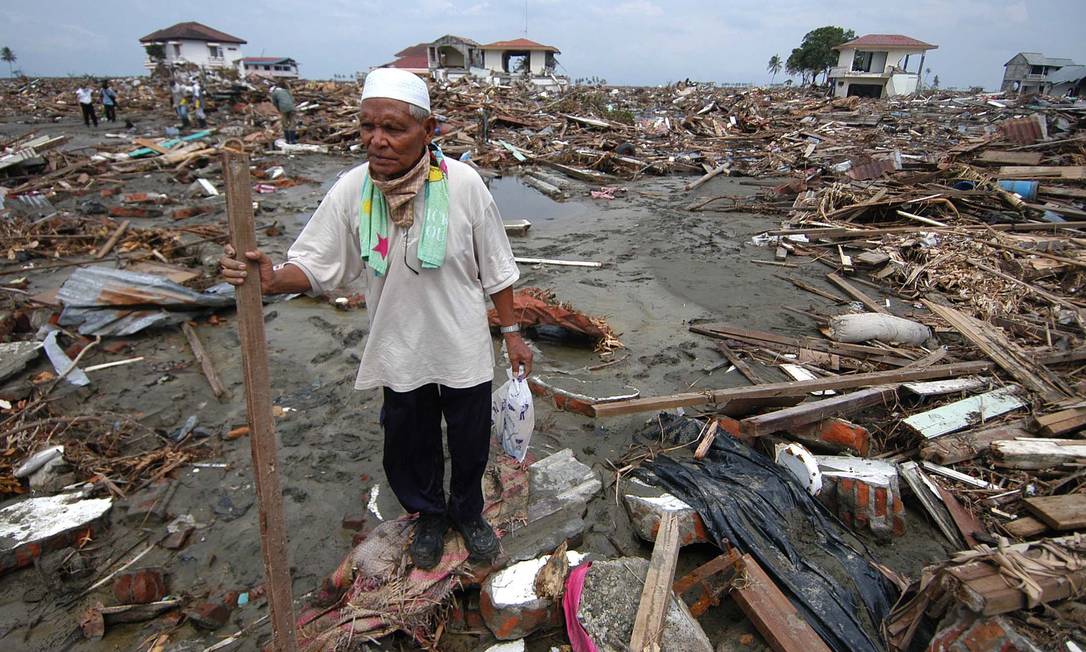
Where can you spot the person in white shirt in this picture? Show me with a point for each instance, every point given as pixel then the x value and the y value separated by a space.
pixel 85 95
pixel 426 234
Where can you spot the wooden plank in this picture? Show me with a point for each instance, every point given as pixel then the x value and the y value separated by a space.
pixel 815 411
pixel 1008 355
pixel 719 397
pixel 152 145
pixel 1005 157
pixel 967 524
pixel 517 227
pixel 656 596
pixel 779 342
pixel 709 580
pixel 739 363
pixel 927 492
pixel 720 169
pixel 1062 422
pixel 1036 454
pixel 773 615
pixel 1066 512
pixel 856 293
pixel 992 594
pixel 952 386
pixel 1042 172
pixel 202 357
pixel 964 446
pixel 254 359
pixel 108 246
pixel 966 412
pixel 1025 527
pixel 958 476
pixel 844 232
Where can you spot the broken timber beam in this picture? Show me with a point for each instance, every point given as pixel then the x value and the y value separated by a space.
pixel 656 596
pixel 1008 355
pixel 206 365
pixel 254 360
pixel 719 397
pixel 813 411
pixel 856 293
pixel 773 615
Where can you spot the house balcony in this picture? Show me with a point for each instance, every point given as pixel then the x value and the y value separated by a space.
pixel 843 72
pixel 1034 77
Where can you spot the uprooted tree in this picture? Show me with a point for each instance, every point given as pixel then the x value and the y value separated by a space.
pixel 815 54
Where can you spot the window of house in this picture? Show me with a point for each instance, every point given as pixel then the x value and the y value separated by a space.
pixel 1036 70
pixel 176 49
pixel 214 51
pixel 267 67
pixel 861 62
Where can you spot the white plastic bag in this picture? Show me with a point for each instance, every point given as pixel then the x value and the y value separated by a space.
pixel 512 416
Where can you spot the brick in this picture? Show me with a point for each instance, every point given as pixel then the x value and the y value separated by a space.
pixel 133 211
pixel 866 490
pixel 208 615
pixel 835 434
pixel 140 587
pixel 189 211
pixel 354 521
pixel 146 198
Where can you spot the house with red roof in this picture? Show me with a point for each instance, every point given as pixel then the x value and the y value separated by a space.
pixel 450 57
pixel 192 42
pixel 879 65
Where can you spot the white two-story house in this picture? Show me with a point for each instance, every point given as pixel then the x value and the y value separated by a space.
pixel 879 65
pixel 192 42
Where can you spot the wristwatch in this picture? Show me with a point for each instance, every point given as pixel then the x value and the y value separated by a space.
pixel 515 328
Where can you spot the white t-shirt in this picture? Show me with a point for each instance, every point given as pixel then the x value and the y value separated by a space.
pixel 85 95
pixel 428 327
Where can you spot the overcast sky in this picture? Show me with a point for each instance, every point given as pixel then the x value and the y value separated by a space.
pixel 622 41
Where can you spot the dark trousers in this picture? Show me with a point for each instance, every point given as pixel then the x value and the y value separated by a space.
pixel 414 460
pixel 111 112
pixel 88 114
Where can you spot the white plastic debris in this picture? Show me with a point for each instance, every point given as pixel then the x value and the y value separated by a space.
pixel 62 363
pixel 802 465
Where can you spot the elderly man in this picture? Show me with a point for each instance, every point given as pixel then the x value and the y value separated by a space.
pixel 426 233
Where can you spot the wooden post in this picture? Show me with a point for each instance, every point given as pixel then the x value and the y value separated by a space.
pixel 656 595
pixel 254 360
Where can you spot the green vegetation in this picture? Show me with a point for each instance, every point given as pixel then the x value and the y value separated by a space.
pixel 815 55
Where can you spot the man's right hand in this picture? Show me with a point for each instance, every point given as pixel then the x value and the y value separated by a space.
pixel 234 271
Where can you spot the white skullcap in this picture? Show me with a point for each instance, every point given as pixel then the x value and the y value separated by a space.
pixel 396 84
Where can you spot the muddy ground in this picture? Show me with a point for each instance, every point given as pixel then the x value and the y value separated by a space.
pixel 663 268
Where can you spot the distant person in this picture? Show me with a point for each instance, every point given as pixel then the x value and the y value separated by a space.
pixel 85 95
pixel 180 107
pixel 198 105
pixel 109 101
pixel 284 104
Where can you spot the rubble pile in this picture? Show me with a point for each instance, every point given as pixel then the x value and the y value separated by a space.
pixel 933 388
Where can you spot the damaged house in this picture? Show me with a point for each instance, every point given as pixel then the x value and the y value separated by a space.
pixel 192 42
pixel 1032 72
pixel 451 57
pixel 879 65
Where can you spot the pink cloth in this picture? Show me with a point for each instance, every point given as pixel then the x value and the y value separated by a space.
pixel 578 638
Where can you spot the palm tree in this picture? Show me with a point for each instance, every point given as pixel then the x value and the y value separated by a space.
pixel 774 66
pixel 7 55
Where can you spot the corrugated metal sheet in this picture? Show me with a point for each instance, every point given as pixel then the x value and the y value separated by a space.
pixel 106 301
pixel 1025 131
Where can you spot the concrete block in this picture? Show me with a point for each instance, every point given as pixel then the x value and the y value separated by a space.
pixel 563 476
pixel 33 526
pixel 608 609
pixel 647 505
pixel 509 604
pixel 865 494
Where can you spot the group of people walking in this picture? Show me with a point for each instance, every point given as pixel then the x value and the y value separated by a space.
pixel 108 97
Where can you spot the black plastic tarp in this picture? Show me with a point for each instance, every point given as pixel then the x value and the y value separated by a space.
pixel 758 507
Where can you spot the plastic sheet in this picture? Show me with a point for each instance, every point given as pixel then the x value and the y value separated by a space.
pixel 757 506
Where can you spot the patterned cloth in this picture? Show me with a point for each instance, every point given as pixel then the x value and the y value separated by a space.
pixel 375 592
pixel 385 200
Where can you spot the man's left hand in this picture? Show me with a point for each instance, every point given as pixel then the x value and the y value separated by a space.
pixel 519 354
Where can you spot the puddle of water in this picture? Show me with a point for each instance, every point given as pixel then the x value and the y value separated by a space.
pixel 518 201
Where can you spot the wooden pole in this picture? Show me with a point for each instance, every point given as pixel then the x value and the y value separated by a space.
pixel 656 595
pixel 254 360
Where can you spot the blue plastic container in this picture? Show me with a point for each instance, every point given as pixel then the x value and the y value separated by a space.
pixel 1025 189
